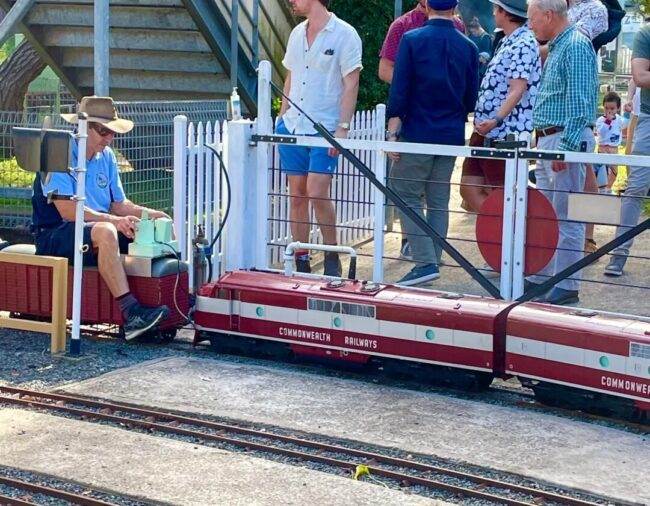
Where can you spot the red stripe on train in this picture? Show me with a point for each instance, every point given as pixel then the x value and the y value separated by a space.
pixel 605 381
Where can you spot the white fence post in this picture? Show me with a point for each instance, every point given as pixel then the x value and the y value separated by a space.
pixel 379 160
pixel 519 232
pixel 508 225
pixel 180 182
pixel 241 227
pixel 261 153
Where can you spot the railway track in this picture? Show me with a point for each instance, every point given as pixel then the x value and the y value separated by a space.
pixel 29 488
pixel 402 472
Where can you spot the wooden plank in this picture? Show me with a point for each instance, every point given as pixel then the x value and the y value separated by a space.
pixel 160 81
pixel 31 326
pixel 149 60
pixel 131 17
pixel 121 38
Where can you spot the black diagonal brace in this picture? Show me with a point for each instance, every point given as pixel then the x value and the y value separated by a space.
pixel 572 269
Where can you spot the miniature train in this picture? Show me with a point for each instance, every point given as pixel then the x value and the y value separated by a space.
pixel 569 357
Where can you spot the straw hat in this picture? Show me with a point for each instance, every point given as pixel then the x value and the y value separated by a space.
pixel 100 110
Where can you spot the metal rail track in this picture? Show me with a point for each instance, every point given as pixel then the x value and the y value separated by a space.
pixel 70 497
pixel 205 430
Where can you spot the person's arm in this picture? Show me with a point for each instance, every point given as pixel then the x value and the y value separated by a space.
pixel 386 68
pixel 286 90
pixel 389 50
pixel 602 127
pixel 128 208
pixel 641 58
pixel 581 67
pixel 125 224
pixel 641 72
pixel 472 81
pixel 516 90
pixel 348 100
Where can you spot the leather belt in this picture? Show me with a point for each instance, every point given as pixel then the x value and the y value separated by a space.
pixel 543 132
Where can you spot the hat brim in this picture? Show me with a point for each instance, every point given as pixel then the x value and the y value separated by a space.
pixel 511 10
pixel 119 126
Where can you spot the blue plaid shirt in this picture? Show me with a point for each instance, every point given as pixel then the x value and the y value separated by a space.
pixel 568 91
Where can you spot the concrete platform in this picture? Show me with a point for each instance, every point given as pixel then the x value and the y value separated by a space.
pixel 173 472
pixel 597 459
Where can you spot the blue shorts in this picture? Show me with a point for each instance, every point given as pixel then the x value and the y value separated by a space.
pixel 58 241
pixel 300 160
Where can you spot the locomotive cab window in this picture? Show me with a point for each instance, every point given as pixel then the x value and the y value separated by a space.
pixel 331 306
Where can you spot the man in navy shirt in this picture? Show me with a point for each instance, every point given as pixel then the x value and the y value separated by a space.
pixel 435 85
pixel 110 219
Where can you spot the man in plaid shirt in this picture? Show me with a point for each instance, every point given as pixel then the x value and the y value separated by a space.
pixel 563 117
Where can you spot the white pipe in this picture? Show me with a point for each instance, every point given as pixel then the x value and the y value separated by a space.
pixel 80 199
pixel 292 247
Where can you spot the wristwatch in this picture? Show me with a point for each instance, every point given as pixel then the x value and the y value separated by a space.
pixel 390 135
pixel 499 120
pixel 344 125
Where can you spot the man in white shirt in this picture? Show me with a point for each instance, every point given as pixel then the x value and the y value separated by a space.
pixel 323 60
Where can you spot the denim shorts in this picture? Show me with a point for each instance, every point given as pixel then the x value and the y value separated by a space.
pixel 300 160
pixel 58 241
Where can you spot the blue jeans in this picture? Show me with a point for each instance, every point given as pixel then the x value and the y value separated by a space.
pixel 423 183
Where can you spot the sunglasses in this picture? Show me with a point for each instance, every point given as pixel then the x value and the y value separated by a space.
pixel 102 131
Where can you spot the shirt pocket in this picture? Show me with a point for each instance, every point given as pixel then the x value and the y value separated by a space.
pixel 323 62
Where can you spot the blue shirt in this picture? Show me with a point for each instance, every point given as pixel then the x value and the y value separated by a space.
pixel 103 185
pixel 435 84
pixel 568 91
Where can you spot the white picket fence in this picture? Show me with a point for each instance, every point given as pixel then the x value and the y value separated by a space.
pixel 200 196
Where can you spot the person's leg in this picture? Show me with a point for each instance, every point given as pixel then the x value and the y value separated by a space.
pixel 544 183
pixel 472 183
pixel 408 179
pixel 638 183
pixel 105 241
pixel 321 170
pixel 299 207
pixel 436 192
pixel 318 191
pixel 473 192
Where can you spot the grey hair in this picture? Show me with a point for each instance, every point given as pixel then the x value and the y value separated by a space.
pixel 557 6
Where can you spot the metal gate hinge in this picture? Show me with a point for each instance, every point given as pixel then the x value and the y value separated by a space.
pixel 492 153
pixel 536 155
pixel 276 139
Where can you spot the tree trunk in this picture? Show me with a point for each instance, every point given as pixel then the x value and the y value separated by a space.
pixel 17 71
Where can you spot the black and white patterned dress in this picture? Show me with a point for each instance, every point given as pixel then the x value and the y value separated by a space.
pixel 517 58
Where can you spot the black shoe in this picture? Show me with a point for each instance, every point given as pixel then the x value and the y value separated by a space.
pixel 559 297
pixel 529 285
pixel 332 264
pixel 303 265
pixel 142 318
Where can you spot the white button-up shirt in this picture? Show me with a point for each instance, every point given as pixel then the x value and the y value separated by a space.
pixel 317 73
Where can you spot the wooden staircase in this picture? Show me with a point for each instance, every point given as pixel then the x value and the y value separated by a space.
pixel 159 49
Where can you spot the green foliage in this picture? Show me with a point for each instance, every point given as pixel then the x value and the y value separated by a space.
pixel 371 22
pixel 13 176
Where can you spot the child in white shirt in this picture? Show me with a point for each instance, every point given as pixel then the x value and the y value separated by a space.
pixel 609 129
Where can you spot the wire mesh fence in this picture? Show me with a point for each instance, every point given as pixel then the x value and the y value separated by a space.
pixel 145 155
